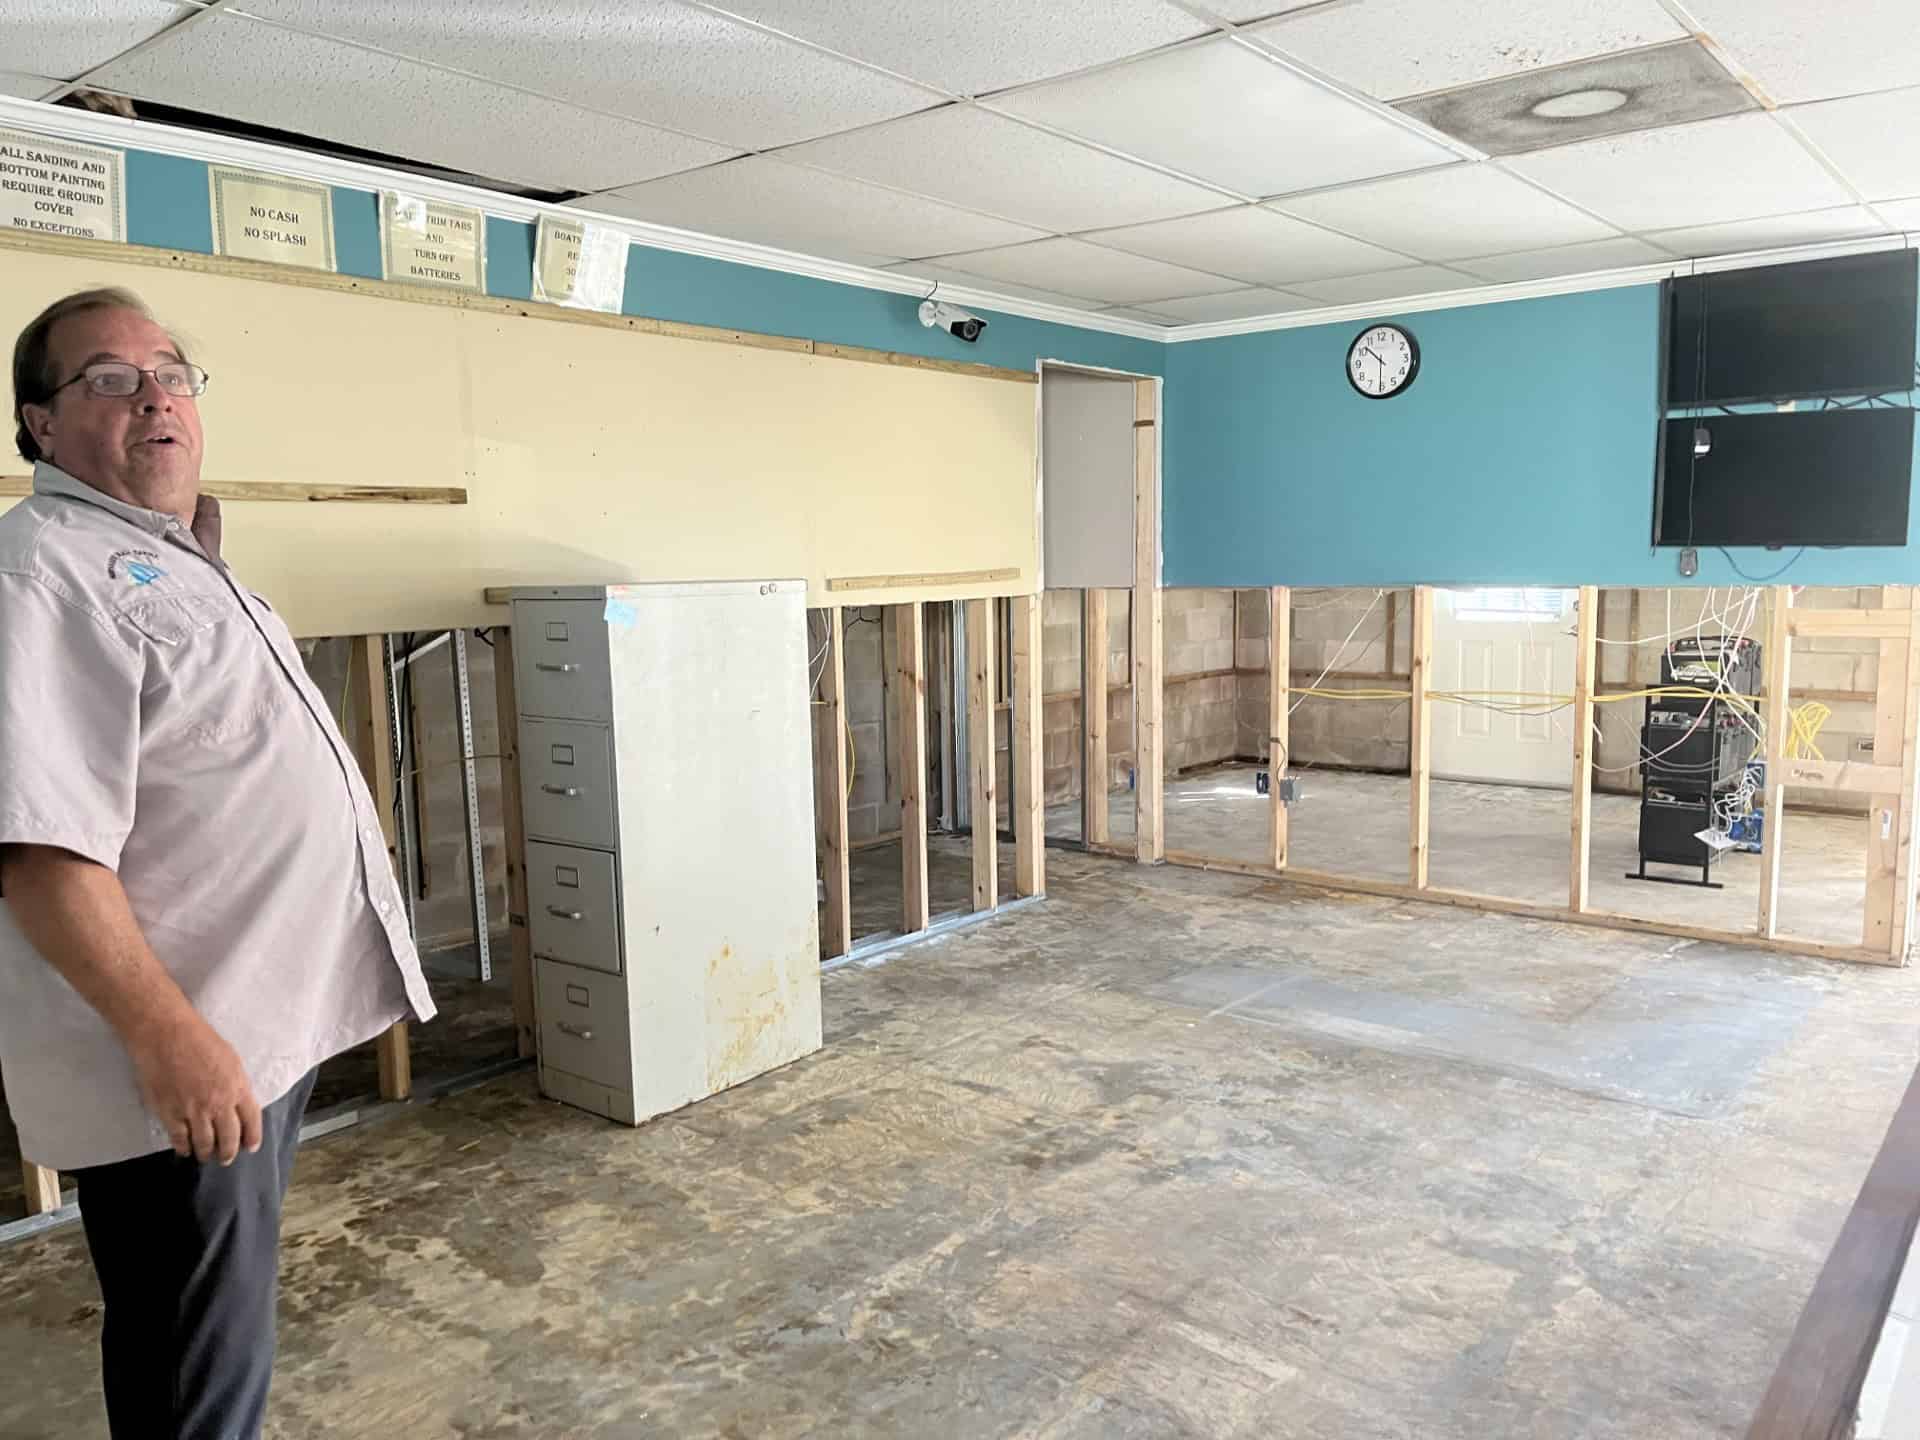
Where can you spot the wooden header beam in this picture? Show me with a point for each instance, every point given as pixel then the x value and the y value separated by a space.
pixel 1851 624
pixel 272 490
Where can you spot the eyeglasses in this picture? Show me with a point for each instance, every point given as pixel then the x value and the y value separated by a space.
pixel 117 379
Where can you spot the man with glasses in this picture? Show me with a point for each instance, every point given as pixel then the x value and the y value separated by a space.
pixel 196 904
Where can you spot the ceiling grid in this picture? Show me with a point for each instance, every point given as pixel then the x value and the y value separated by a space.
pixel 1185 166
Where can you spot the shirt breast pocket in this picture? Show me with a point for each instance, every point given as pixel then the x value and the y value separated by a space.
pixel 209 672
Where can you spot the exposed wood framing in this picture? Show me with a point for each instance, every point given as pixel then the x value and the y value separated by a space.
pixel 447 299
pixel 373 747
pixel 1501 905
pixel 1025 737
pixel 1420 746
pixel 1890 814
pixel 1393 626
pixel 1095 775
pixel 514 839
pixel 1851 624
pixel 1907 857
pixel 42 1188
pixel 225 490
pixel 1779 677
pixel 984 806
pixel 1149 696
pixel 1279 669
pixel 830 792
pixel 1584 646
pixel 910 638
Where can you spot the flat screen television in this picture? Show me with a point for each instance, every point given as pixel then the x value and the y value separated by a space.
pixel 1810 477
pixel 1839 327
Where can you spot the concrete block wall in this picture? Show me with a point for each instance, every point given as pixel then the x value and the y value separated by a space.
pixel 443 916
pixel 1369 734
pixel 873 806
pixel 1819 664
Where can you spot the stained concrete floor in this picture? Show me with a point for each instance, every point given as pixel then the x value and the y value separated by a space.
pixel 474 1026
pixel 1511 841
pixel 1171 1154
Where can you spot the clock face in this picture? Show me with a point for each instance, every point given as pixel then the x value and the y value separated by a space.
pixel 1382 361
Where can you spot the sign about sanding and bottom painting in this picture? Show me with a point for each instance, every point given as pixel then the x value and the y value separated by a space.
pixel 58 187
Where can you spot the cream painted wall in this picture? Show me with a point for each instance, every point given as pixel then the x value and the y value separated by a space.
pixel 589 454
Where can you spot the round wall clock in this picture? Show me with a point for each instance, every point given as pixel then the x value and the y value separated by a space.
pixel 1382 361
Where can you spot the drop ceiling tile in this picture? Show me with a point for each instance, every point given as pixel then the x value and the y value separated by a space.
pixel 1227 114
pixel 267 75
pixel 654 60
pixel 1234 305
pixel 969 47
pixel 1445 214
pixel 66 37
pixel 1585 259
pixel 947 277
pixel 1868 138
pixel 1846 222
pixel 981 161
pixel 1388 285
pixel 25 87
pixel 815 212
pixel 1073 267
pixel 1736 168
pixel 1810 51
pixel 1391 49
pixel 1253 244
pixel 1241 12
pixel 1903 213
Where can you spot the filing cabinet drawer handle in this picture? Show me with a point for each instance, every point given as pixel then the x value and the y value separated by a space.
pixel 579 1032
pixel 569 791
pixel 561 668
pixel 559 914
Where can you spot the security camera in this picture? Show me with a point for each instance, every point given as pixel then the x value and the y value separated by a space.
pixel 961 324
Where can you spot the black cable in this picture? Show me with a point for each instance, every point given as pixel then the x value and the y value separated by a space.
pixel 486 635
pixel 1761 579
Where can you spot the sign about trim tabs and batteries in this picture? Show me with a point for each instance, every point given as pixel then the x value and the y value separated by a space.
pixel 271 217
pixel 423 242
pixel 581 265
pixel 55 187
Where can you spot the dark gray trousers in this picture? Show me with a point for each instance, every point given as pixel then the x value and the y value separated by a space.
pixel 188 1257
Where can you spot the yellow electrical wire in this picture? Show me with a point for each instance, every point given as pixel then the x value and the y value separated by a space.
pixel 1805 724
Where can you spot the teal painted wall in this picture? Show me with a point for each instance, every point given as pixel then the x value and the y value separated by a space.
pixel 1523 454
pixel 167 206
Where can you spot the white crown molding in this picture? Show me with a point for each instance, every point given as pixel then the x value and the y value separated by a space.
pixel 67 123
pixel 1533 289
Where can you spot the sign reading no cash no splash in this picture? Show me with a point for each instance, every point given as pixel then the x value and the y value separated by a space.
pixel 271 217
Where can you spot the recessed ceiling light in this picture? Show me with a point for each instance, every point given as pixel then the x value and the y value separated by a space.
pixel 1580 104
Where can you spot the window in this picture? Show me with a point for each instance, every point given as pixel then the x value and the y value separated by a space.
pixel 1511 603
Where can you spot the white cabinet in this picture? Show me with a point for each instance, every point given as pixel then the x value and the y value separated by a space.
pixel 666 776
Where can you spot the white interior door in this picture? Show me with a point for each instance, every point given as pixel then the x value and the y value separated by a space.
pixel 1504 642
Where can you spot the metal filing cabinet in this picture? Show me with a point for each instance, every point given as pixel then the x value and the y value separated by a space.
pixel 667 790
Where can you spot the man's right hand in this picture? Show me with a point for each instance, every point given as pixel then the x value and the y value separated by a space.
pixel 194 1082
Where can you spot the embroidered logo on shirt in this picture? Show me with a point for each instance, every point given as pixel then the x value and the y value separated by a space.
pixel 138 564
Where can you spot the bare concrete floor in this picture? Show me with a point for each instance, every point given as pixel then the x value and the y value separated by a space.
pixel 1511 841
pixel 1173 1154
